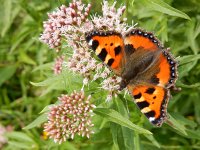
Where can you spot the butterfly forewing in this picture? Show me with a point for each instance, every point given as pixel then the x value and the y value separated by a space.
pixel 109 47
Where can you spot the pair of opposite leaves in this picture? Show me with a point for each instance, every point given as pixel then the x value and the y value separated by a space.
pixel 147 69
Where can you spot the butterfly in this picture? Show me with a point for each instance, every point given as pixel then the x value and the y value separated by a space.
pixel 147 69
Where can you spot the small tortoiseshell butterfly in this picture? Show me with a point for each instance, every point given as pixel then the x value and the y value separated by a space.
pixel 147 69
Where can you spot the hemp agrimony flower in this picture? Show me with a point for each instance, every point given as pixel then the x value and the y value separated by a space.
pixel 72 116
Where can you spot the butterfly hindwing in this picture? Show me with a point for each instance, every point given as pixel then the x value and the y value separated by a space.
pixel 152 101
pixel 109 47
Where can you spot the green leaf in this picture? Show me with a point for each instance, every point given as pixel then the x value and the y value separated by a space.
pixel 188 58
pixel 20 136
pixel 37 122
pixel 116 117
pixel 174 123
pixel 182 120
pixel 195 99
pixel 190 30
pixel 193 134
pixel 21 145
pixel 19 38
pixel 152 139
pixel 7 16
pixel 64 81
pixel 46 108
pixel 23 57
pixel 185 69
pixel 123 137
pixel 117 136
pixel 161 6
pixel 195 85
pixel 6 73
pixel 46 66
pixel 136 141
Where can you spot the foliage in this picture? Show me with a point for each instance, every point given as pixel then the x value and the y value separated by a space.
pixel 27 83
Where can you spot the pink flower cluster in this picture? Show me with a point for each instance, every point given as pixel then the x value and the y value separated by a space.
pixel 63 22
pixel 111 20
pixel 72 116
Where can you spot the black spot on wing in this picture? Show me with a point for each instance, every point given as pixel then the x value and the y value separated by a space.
pixel 150 114
pixel 138 96
pixel 150 90
pixel 142 104
pixel 110 62
pixel 117 50
pixel 95 44
pixel 129 49
pixel 102 55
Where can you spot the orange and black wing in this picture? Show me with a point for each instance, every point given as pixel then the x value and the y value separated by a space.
pixel 109 47
pixel 152 101
pixel 152 95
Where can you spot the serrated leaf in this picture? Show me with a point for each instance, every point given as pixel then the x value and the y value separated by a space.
pixel 37 122
pixel 161 6
pixel 116 117
pixel 64 81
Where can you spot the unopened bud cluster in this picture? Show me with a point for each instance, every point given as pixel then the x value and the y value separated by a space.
pixel 72 116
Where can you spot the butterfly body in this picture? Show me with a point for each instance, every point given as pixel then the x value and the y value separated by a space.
pixel 146 68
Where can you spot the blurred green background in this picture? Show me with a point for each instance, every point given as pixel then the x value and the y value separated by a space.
pixel 24 59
